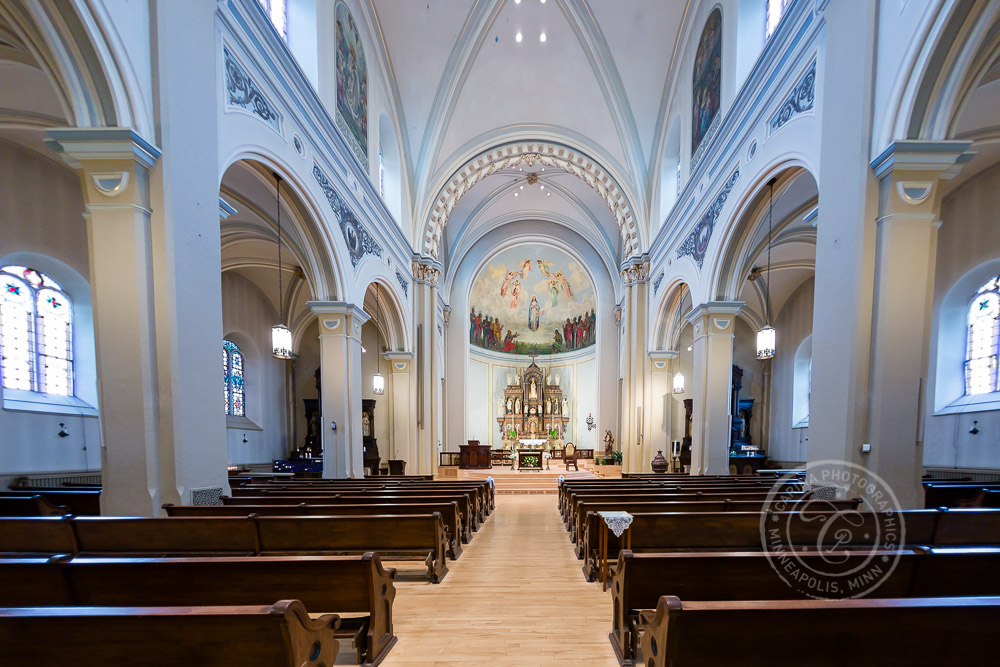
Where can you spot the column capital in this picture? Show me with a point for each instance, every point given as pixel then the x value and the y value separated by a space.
pixel 936 159
pixel 399 362
pixel 81 147
pixel 426 271
pixel 635 271
pixel 339 317
pixel 715 316
pixel 663 360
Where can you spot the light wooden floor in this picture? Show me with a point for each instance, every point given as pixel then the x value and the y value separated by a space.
pixel 516 596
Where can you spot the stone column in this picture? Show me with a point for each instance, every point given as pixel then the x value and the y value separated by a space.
pixel 340 381
pixel 429 366
pixel 634 369
pixel 404 423
pixel 909 174
pixel 711 385
pixel 114 169
pixel 663 365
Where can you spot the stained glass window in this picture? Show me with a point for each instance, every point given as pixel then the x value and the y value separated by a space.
pixel 983 345
pixel 36 332
pixel 232 369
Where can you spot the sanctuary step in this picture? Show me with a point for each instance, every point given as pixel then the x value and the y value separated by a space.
pixel 529 481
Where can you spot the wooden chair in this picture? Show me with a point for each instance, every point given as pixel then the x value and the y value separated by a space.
pixel 569 456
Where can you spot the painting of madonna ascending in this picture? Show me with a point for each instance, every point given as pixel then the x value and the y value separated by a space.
pixel 707 79
pixel 352 84
pixel 533 298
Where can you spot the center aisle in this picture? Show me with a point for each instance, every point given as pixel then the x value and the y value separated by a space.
pixel 516 596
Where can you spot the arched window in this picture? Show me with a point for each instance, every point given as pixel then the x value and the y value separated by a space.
pixel 36 333
pixel 232 370
pixel 277 11
pixel 983 343
pixel 772 16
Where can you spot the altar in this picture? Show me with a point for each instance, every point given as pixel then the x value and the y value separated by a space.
pixel 529 459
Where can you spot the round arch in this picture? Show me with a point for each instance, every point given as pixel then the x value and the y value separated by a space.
pixel 547 154
pixel 391 322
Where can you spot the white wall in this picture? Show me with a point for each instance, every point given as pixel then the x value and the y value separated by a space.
pixel 247 316
pixel 793 324
pixel 371 359
pixel 42 214
pixel 968 239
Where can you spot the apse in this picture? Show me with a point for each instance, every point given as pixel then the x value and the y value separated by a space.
pixel 531 304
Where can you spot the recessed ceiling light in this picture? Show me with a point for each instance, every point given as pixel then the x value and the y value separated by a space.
pixel 518 37
pixel 543 187
pixel 522 187
pixel 543 2
pixel 515 194
pixel 548 194
pixel 517 2
pixel 541 38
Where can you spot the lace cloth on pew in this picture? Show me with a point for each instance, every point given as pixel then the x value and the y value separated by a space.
pixel 618 522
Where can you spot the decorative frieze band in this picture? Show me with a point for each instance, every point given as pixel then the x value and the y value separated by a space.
pixel 635 273
pixel 243 93
pixel 696 244
pixel 799 100
pixel 426 274
pixel 359 241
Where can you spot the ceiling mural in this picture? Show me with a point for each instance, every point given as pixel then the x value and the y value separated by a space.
pixel 352 84
pixel 533 299
pixel 707 79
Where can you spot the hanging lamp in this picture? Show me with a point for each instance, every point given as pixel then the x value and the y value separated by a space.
pixel 378 382
pixel 678 383
pixel 766 336
pixel 281 337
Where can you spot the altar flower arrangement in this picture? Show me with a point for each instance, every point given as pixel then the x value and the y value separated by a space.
pixel 512 434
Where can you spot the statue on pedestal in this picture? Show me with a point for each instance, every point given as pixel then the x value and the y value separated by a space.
pixel 609 443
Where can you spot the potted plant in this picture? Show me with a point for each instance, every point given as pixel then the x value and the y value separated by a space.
pixel 616 458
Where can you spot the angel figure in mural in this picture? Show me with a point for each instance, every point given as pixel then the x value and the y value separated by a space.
pixel 515 292
pixel 508 341
pixel 556 281
pixel 533 312
pixel 509 278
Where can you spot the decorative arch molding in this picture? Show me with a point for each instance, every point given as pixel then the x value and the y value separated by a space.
pixel 947 60
pixel 392 322
pixel 75 43
pixel 727 272
pixel 515 154
pixel 670 314
pixel 316 249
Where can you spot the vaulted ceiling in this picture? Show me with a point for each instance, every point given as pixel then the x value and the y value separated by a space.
pixel 465 84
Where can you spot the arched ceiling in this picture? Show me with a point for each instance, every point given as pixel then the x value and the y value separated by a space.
pixel 466 85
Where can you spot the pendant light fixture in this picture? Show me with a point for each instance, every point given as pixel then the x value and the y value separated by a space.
pixel 281 337
pixel 678 382
pixel 378 382
pixel 766 336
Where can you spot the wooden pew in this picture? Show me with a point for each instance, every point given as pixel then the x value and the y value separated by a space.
pixel 640 580
pixel 579 508
pixel 160 536
pixel 482 489
pixel 29 505
pixel 575 495
pixel 467 515
pixel 822 633
pixel 348 585
pixel 941 493
pixel 614 485
pixel 477 505
pixel 281 634
pixel 587 540
pixel 41 536
pixel 741 531
pixel 390 536
pixel 449 513
pixel 80 502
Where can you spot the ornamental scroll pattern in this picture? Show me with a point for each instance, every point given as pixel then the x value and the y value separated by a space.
pixel 359 241
pixel 530 154
pixel 656 283
pixel 696 244
pixel 243 93
pixel 799 101
pixel 403 283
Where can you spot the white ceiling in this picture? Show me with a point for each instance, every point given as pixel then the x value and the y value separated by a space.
pixel 465 83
